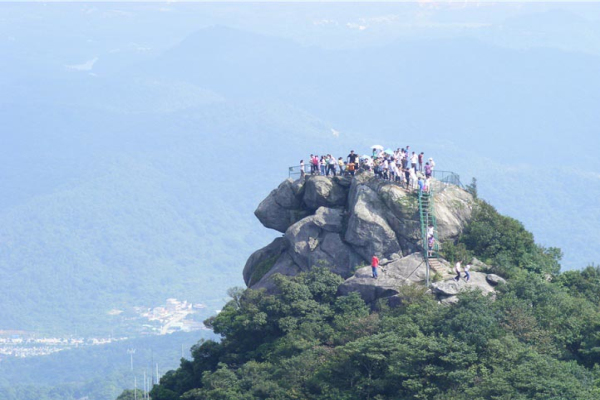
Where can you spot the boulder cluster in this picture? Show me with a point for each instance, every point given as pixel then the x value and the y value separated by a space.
pixel 340 222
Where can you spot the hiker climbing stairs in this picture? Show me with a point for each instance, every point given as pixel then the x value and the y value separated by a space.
pixel 429 234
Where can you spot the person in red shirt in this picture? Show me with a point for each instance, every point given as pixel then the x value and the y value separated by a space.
pixel 374 265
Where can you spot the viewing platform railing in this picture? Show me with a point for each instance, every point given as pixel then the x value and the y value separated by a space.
pixel 442 177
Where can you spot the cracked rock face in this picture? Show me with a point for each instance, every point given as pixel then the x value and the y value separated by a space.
pixel 368 231
pixel 340 222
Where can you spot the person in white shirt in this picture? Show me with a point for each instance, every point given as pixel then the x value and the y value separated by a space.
pixel 467 275
pixel 431 164
pixel 430 231
pixel 413 161
pixel 413 179
pixel 386 168
pixel 457 270
pixel 331 163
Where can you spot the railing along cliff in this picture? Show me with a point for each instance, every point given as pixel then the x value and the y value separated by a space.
pixel 441 177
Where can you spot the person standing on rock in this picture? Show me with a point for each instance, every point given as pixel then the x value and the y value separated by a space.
pixel 413 179
pixel 467 275
pixel 421 184
pixel 432 163
pixel 413 161
pixel 421 155
pixel 457 270
pixel 331 163
pixel 341 166
pixel 352 157
pixel 374 265
pixel 351 168
pixel 314 164
pixel 427 170
pixel 407 178
pixel 301 168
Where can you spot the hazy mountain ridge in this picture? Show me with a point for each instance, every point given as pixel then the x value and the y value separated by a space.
pixel 224 129
pixel 157 159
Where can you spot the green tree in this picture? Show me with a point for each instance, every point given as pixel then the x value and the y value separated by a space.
pixel 131 394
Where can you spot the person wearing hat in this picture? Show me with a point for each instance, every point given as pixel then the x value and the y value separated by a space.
pixel 431 163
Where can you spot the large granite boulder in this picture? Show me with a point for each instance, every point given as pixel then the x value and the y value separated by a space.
pixel 453 209
pixel 316 241
pixel 341 222
pixel 284 265
pixel 322 191
pixel 495 280
pixel 261 261
pixel 282 207
pixel 368 231
pixel 396 273
pixel 402 216
pixel 449 288
pixel 329 219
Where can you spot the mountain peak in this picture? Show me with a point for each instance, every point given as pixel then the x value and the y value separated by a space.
pixel 341 222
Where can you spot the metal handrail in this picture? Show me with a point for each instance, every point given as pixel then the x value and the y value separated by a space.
pixel 441 177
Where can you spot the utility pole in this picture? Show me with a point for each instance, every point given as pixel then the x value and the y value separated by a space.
pixel 151 365
pixel 131 352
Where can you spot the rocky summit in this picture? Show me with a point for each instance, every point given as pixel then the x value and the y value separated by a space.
pixel 340 222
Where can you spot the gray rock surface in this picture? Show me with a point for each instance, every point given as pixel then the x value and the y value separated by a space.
pixel 329 219
pixel 281 208
pixel 397 273
pixel 368 231
pixel 284 265
pixel 261 261
pixel 453 209
pixel 303 239
pixel 322 191
pixel 494 279
pixel 316 241
pixel 341 222
pixel 450 287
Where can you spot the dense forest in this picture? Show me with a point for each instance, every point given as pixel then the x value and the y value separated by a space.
pixel 537 338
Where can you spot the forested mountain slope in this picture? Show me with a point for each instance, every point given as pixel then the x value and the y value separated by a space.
pixel 535 338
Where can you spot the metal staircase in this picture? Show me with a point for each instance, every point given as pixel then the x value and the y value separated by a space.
pixel 427 217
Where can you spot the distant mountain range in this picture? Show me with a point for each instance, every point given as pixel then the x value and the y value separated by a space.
pixel 134 178
pixel 131 188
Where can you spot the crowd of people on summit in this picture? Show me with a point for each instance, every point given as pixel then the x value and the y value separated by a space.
pixel 406 167
pixel 401 165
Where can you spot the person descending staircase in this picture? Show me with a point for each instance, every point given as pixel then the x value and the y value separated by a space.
pixel 429 235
